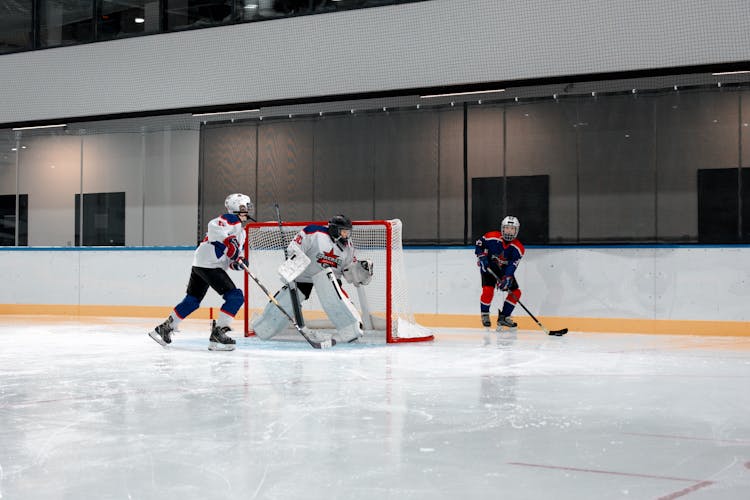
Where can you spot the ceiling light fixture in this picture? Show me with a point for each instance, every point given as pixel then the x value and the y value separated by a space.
pixel 731 72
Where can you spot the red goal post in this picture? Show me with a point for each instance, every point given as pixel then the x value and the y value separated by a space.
pixel 383 304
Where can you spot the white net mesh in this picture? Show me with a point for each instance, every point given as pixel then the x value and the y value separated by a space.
pixel 384 303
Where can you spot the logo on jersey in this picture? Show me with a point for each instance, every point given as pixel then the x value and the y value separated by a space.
pixel 328 259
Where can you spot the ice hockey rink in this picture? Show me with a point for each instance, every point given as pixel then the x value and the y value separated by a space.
pixel 94 409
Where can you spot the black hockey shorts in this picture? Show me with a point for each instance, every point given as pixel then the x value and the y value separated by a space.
pixel 203 277
pixel 489 280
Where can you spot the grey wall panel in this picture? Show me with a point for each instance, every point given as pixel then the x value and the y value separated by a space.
pixel 170 189
pixel 617 169
pixel 344 167
pixel 484 148
pixel 285 170
pixel 451 177
pixel 744 125
pixel 406 171
pixel 541 140
pixel 425 44
pixel 697 130
pixel 229 166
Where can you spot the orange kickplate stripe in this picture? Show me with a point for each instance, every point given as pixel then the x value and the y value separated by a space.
pixel 604 325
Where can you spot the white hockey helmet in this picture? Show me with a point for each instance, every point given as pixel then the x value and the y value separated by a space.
pixel 238 203
pixel 510 227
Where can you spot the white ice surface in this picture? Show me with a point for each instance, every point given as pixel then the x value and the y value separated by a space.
pixel 100 411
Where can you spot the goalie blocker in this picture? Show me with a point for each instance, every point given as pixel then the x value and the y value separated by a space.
pixel 335 303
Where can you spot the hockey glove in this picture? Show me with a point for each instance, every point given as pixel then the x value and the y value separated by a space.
pixel 237 265
pixel 505 283
pixel 483 263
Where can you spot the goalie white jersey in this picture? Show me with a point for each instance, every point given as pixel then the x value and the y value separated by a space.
pixel 224 239
pixel 323 253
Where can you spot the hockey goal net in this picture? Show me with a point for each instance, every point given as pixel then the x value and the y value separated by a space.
pixel 383 303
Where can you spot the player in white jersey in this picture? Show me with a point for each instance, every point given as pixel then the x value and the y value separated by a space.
pixel 320 256
pixel 222 248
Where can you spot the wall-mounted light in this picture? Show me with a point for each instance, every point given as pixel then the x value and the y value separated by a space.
pixel 60 125
pixel 227 112
pixel 139 20
pixel 461 93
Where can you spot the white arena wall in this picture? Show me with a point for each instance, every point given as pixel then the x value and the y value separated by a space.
pixel 699 290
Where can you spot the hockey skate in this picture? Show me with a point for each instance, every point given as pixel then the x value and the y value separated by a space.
pixel 219 341
pixel 486 320
pixel 507 322
pixel 163 333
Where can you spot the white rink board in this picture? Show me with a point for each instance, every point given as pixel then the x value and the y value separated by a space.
pixel 677 283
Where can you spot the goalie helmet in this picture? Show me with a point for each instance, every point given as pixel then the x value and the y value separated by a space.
pixel 336 224
pixel 510 227
pixel 238 203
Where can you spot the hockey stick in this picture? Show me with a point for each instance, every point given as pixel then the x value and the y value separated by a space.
pixel 292 285
pixel 555 333
pixel 316 345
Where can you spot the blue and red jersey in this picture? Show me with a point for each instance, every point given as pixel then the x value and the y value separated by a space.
pixel 504 254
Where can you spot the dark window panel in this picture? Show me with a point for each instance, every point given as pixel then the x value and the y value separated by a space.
pixel 103 219
pixel 8 220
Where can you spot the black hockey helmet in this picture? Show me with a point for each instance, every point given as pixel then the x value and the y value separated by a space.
pixel 336 224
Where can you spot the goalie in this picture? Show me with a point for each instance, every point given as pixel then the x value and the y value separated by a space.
pixel 319 256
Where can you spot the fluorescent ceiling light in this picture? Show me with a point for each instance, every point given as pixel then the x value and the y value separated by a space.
pixel 462 93
pixel 227 112
pixel 41 126
pixel 731 73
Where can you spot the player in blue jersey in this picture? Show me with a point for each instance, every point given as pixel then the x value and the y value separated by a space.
pixel 498 254
pixel 221 249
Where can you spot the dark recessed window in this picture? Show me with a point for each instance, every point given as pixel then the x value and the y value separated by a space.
pixel 8 220
pixel 103 219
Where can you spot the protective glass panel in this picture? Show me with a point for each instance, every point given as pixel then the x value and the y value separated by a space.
pixel 50 174
pixel 155 163
pixel 695 131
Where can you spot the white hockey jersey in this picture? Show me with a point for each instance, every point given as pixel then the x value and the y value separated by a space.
pixel 315 242
pixel 224 240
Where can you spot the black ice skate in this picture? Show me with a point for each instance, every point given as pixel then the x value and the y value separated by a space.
pixel 219 340
pixel 163 333
pixel 486 320
pixel 505 321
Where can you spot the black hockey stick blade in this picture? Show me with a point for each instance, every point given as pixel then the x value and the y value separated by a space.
pixel 558 333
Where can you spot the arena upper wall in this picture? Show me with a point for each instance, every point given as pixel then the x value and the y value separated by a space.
pixel 411 46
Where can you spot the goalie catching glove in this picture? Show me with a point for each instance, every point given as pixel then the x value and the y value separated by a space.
pixel 359 272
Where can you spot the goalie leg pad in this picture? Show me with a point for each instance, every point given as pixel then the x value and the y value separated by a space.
pixel 272 321
pixel 338 306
